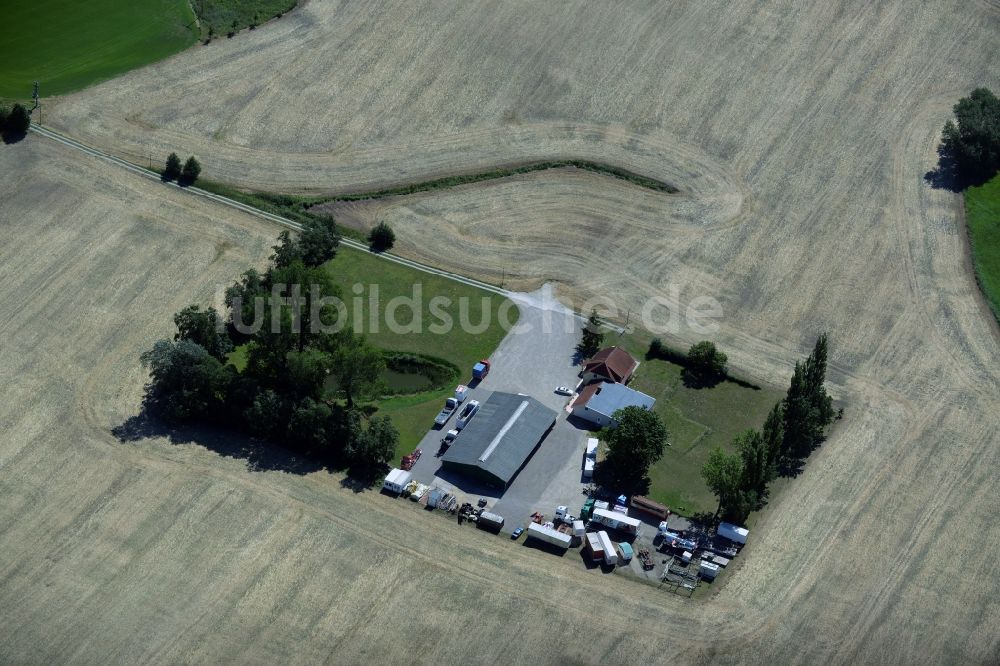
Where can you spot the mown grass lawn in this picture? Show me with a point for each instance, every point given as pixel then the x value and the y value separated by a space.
pixel 982 214
pixel 698 420
pixel 357 271
pixel 66 45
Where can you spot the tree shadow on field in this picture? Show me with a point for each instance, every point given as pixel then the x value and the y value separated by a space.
pixel 259 456
pixel 945 176
pixel 696 380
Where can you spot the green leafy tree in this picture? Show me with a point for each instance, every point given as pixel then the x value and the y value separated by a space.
pixel 318 241
pixel 309 425
pixel 633 447
pixel 382 237
pixel 705 360
pixel 204 328
pixel 172 169
pixel 973 142
pixel 241 299
pixel 592 339
pixel 358 367
pixel 773 435
pixel 267 415
pixel 808 409
pixel 305 309
pixel 368 450
pixel 307 373
pixel 187 382
pixel 753 458
pixel 286 251
pixel 723 473
pixel 191 171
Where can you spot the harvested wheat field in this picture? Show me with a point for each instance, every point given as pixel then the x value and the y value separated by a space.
pixel 797 134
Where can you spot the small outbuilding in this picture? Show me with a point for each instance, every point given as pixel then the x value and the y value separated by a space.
pixel 612 364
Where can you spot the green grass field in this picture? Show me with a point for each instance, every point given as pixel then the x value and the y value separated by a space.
pixel 66 45
pixel 982 213
pixel 698 419
pixel 414 414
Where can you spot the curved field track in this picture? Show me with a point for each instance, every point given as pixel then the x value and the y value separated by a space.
pixel 812 123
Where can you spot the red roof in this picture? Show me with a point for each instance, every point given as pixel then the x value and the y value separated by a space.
pixel 613 363
pixel 586 394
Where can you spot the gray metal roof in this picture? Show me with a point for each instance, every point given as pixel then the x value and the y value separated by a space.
pixel 612 397
pixel 502 435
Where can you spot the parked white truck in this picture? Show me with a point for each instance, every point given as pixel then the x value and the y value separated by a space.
pixel 549 535
pixel 617 521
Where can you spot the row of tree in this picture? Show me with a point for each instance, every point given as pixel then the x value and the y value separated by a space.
pixel 794 427
pixel 14 122
pixel 301 385
pixel 185 175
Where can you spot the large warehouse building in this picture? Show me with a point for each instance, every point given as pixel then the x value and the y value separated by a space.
pixel 500 439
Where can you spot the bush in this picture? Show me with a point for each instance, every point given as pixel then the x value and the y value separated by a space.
pixel 382 237
pixel 191 171
pixel 172 169
pixel 705 360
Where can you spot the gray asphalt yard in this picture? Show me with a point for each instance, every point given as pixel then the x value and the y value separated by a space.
pixel 534 358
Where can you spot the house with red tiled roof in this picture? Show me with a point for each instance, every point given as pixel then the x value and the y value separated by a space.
pixel 612 364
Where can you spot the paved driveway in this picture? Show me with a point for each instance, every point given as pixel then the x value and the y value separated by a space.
pixel 533 359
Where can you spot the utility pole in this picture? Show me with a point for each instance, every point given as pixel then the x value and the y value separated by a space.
pixel 38 104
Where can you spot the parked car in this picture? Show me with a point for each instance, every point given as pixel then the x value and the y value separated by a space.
pixel 563 390
pixel 516 533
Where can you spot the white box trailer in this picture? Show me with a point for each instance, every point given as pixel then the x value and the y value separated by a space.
pixel 579 529
pixel 489 521
pixel 549 535
pixel 595 547
pixel 608 546
pixel 396 480
pixel 734 533
pixel 590 458
pixel 708 570
pixel 617 521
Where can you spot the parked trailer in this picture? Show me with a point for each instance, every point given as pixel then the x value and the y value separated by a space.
pixel 649 507
pixel 549 535
pixel 708 570
pixel 489 521
pixel 595 547
pixel 396 480
pixel 608 546
pixel 461 392
pixel 617 521
pixel 590 457
pixel 734 533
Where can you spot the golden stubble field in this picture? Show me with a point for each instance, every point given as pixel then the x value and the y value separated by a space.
pixel 798 134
